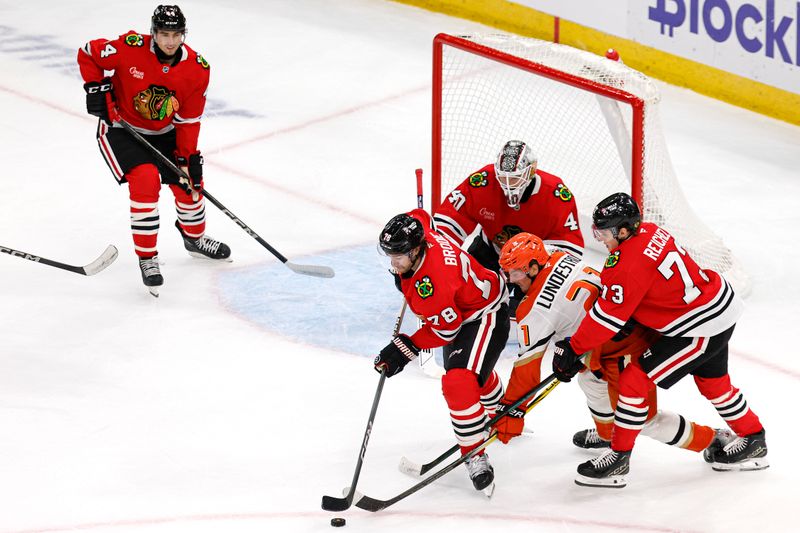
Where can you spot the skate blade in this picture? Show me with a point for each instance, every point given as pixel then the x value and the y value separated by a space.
pixel 201 256
pixel 759 463
pixel 153 291
pixel 488 491
pixel 613 482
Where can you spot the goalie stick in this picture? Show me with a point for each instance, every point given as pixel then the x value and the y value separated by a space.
pixel 309 270
pixel 331 503
pixel 374 505
pixel 106 258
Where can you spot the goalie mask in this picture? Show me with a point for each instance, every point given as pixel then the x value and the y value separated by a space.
pixel 514 167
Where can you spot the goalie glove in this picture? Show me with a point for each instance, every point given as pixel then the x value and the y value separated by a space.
pixel 396 355
pixel 512 424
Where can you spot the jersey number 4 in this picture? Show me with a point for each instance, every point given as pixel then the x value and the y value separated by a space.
pixel 108 50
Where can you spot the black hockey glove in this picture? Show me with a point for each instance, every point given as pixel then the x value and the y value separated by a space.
pixel 396 355
pixel 485 253
pixel 194 167
pixel 96 98
pixel 566 363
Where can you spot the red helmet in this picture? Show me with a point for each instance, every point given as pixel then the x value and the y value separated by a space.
pixel 521 250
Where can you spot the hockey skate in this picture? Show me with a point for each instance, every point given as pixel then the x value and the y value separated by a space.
pixel 205 247
pixel 606 470
pixel 742 454
pixel 481 473
pixel 151 274
pixel 589 439
pixel 722 437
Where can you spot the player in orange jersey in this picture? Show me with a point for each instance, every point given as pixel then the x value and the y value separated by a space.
pixel 649 278
pixel 159 86
pixel 559 289
pixel 465 311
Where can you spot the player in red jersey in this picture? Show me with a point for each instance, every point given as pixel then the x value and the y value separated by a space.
pixel 648 277
pixel 559 289
pixel 508 197
pixel 464 309
pixel 159 86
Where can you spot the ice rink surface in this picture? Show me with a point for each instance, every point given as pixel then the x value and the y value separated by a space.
pixel 239 397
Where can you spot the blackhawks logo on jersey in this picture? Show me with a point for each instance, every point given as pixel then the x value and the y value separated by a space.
pixel 156 103
pixel 478 179
pixel 612 259
pixel 134 39
pixel 506 233
pixel 202 61
pixel 424 287
pixel 562 193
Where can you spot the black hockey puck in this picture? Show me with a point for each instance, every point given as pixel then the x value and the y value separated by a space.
pixel 338 522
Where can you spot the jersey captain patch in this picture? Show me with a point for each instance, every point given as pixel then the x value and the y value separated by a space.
pixel 134 39
pixel 478 179
pixel 424 287
pixel 612 259
pixel 562 193
pixel 156 103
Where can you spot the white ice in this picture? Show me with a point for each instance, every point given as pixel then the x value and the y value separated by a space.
pixel 239 397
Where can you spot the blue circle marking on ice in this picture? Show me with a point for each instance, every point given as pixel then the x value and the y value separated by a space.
pixel 352 312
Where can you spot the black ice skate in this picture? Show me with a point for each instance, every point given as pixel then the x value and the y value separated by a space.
pixel 205 247
pixel 589 439
pixel 722 437
pixel 151 274
pixel 481 473
pixel 606 470
pixel 743 453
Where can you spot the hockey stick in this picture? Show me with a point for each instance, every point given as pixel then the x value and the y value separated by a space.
pixel 415 469
pixel 426 358
pixel 330 503
pixel 106 258
pixel 374 505
pixel 309 270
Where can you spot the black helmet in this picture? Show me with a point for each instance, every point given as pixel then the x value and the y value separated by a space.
pixel 169 18
pixel 401 234
pixel 617 211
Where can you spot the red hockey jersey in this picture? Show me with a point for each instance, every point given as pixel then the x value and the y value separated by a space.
pixel 550 212
pixel 150 95
pixel 654 281
pixel 448 289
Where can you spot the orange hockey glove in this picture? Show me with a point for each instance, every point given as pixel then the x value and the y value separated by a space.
pixel 511 424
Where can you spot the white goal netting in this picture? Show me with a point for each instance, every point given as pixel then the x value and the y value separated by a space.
pixel 590 120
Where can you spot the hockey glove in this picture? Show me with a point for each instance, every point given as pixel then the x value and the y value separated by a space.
pixel 396 355
pixel 193 166
pixel 511 425
pixel 99 100
pixel 566 363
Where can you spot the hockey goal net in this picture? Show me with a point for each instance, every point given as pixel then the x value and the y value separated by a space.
pixel 590 120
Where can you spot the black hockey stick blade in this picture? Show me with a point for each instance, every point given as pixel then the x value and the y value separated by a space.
pixel 106 258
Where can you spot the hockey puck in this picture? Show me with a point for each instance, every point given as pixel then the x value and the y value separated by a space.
pixel 338 522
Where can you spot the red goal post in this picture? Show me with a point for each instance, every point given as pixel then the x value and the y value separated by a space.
pixel 590 120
